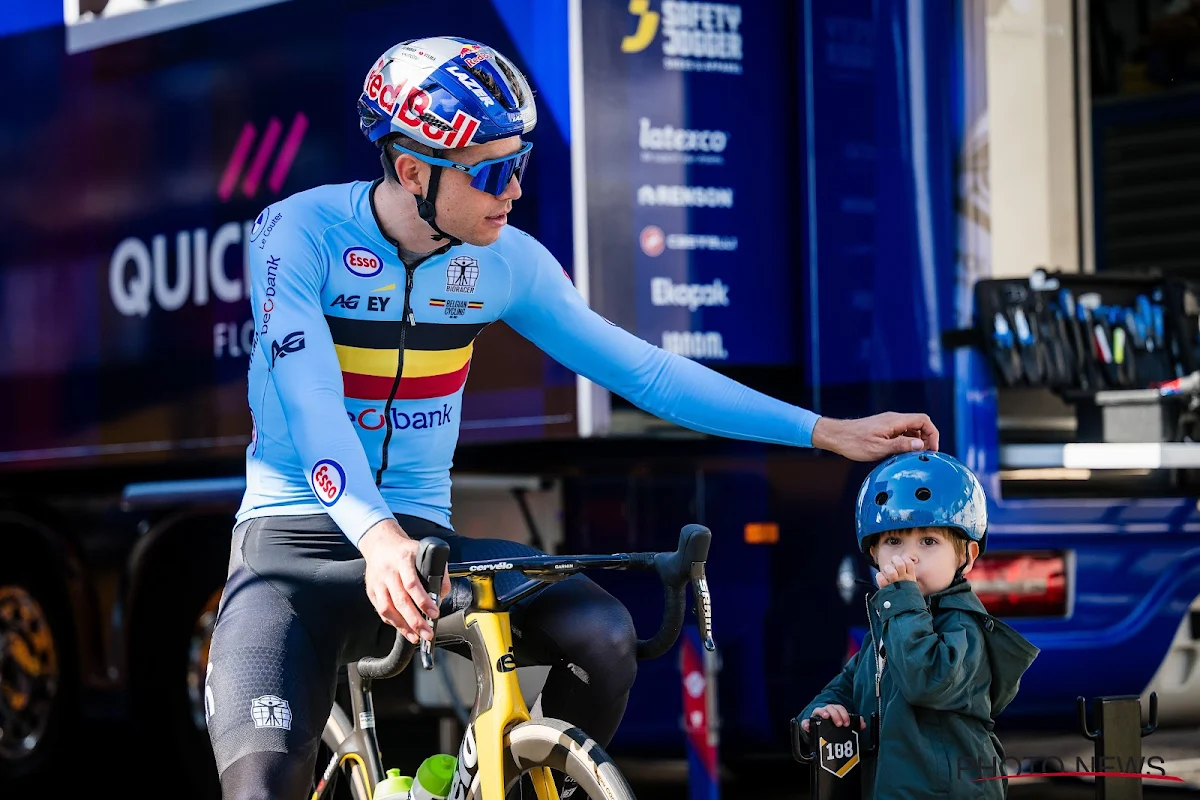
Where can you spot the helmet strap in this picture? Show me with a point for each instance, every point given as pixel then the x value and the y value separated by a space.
pixel 427 210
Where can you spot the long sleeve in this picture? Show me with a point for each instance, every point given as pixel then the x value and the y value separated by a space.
pixel 294 347
pixel 546 309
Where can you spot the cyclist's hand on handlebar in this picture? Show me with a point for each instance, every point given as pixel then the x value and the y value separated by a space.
pixel 839 715
pixel 393 583
pixel 876 437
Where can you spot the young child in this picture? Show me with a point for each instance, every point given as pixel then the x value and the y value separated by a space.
pixel 936 668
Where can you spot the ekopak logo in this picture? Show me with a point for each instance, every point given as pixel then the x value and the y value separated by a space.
pixel 252 179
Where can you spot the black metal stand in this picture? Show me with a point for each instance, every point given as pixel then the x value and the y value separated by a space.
pixel 1118 739
pixel 834 756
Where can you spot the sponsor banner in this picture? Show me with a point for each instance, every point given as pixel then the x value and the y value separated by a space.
pixel 686 214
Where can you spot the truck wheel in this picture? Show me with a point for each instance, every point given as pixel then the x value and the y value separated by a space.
pixel 37 667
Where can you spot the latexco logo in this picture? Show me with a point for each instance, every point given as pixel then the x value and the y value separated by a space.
pixel 697 37
pixel 671 145
pixel 253 176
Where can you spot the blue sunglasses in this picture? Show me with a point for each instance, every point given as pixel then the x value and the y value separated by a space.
pixel 491 176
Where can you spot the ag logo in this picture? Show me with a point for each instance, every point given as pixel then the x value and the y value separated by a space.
pixel 646 28
pixel 362 262
pixel 292 343
pixel 838 750
pixel 328 481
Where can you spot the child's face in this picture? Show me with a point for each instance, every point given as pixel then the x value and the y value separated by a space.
pixel 932 552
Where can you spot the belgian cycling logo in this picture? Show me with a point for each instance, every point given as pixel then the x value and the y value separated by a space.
pixel 270 711
pixel 328 481
pixel 292 343
pixel 461 274
pixel 362 262
pixel 262 156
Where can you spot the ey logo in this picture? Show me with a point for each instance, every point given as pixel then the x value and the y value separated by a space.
pixel 646 28
pixel 258 164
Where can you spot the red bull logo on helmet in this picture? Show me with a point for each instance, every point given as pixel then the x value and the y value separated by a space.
pixel 406 102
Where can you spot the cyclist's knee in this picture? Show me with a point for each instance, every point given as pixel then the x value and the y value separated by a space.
pixel 606 639
pixel 267 774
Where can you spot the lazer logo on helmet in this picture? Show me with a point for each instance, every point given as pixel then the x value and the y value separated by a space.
pixel 328 481
pixel 472 84
pixel 411 106
pixel 362 262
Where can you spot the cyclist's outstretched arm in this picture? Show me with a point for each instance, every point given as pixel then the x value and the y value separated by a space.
pixel 546 309
pixel 287 269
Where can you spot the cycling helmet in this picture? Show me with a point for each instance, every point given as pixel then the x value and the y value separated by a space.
pixel 921 490
pixel 445 92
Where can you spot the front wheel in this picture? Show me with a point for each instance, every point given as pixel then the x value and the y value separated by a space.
pixel 567 751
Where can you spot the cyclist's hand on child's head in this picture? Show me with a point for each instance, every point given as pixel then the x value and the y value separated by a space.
pixel 839 715
pixel 394 586
pixel 900 568
pixel 876 437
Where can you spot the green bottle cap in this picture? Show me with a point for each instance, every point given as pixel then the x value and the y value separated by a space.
pixel 436 774
pixel 393 784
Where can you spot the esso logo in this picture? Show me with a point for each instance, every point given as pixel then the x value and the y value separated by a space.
pixel 328 481
pixel 362 262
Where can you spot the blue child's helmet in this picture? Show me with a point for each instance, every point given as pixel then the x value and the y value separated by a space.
pixel 921 490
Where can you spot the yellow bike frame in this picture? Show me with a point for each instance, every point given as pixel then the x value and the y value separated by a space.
pixel 499 704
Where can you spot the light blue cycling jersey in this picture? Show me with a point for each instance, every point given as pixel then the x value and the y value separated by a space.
pixel 356 378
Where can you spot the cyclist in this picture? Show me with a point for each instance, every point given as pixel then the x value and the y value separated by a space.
pixel 367 298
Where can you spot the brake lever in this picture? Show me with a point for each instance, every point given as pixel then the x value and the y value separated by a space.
pixel 431 564
pixel 703 605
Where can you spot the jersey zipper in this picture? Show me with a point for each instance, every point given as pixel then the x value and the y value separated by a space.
pixel 880 663
pixel 408 319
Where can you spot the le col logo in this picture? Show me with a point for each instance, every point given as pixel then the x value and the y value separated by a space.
pixel 292 343
pixel 362 262
pixel 328 481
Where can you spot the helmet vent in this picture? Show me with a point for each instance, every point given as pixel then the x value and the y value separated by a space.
pixel 881 499
pixel 488 82
pixel 923 494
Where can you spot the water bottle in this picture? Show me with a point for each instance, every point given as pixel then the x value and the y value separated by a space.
pixel 434 778
pixel 394 787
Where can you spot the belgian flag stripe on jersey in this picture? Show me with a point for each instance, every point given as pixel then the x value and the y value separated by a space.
pixel 437 357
